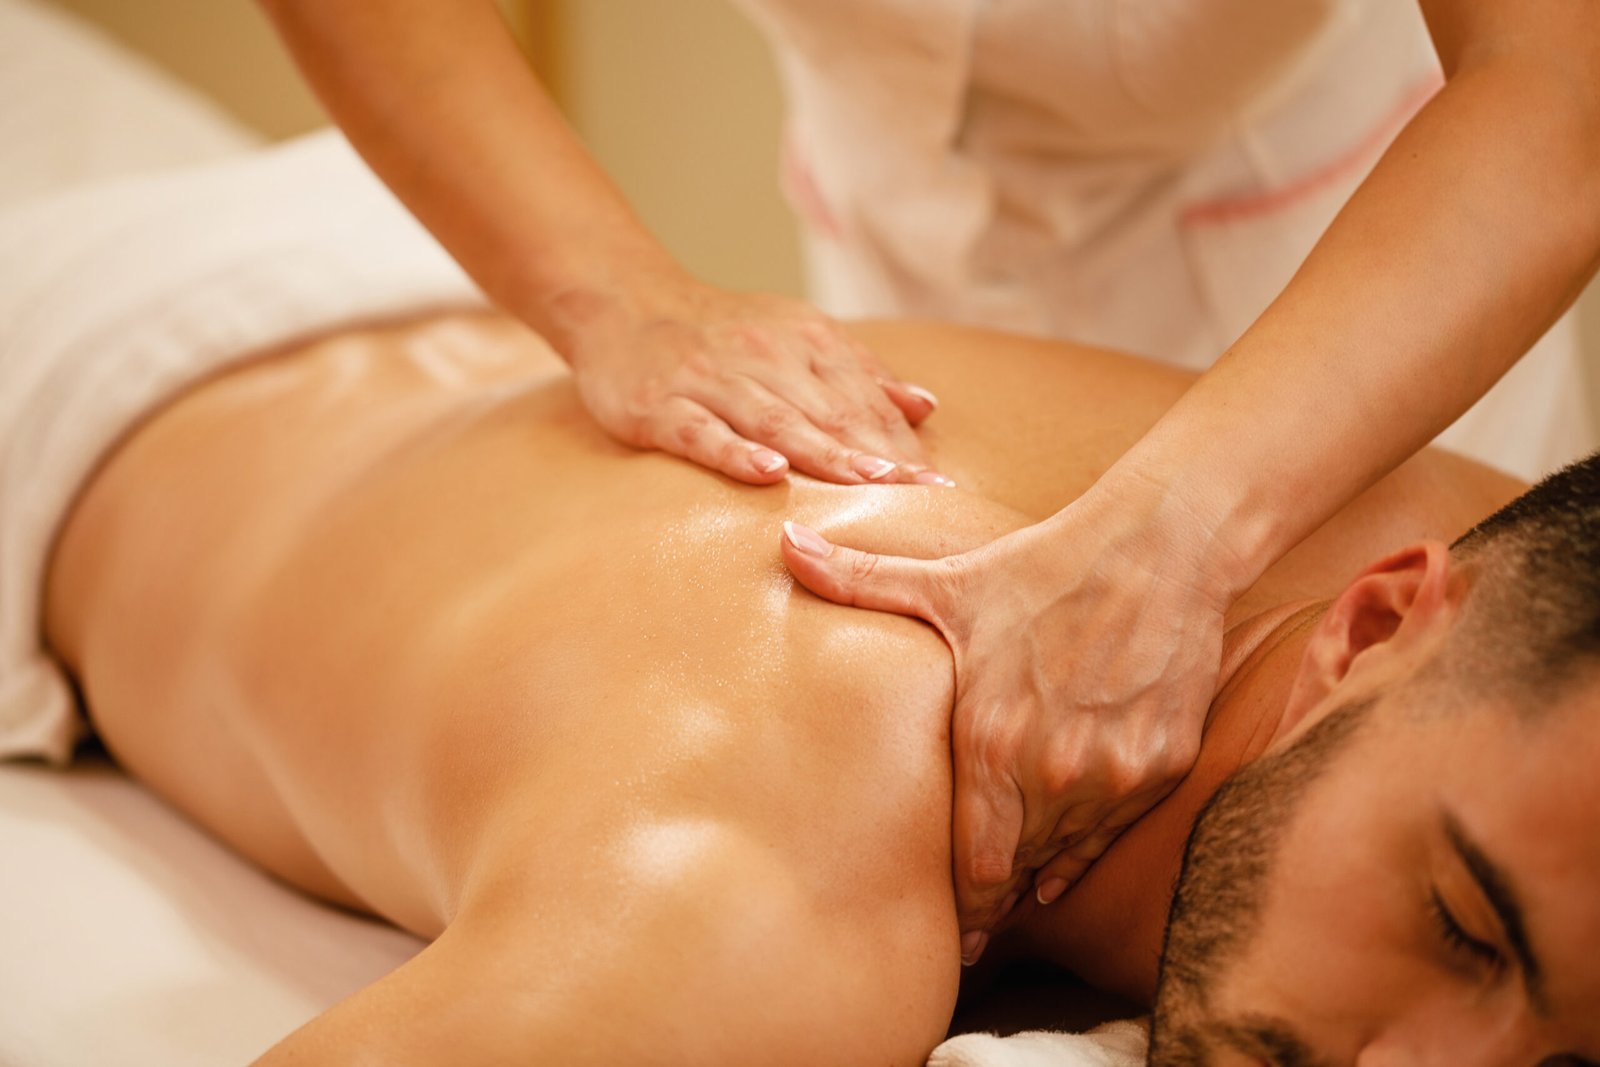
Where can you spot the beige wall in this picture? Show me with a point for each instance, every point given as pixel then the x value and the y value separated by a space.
pixel 680 103
pixel 228 48
pixel 677 98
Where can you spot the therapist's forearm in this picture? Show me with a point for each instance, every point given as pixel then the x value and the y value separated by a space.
pixel 437 98
pixel 1477 229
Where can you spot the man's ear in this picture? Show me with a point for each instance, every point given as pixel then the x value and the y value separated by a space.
pixel 1392 606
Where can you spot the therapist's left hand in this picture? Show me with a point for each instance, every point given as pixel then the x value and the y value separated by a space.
pixel 1087 651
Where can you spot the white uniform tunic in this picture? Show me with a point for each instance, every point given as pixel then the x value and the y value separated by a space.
pixel 1141 174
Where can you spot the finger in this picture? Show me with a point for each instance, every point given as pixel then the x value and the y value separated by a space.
pixel 1073 862
pixel 683 428
pixel 754 411
pixel 846 405
pixel 1056 877
pixel 865 579
pixel 1078 819
pixel 1083 846
pixel 860 426
pixel 986 823
pixel 914 402
pixel 866 417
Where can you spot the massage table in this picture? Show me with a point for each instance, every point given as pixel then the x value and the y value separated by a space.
pixel 128 936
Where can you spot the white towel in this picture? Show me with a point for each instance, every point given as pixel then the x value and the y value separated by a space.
pixel 114 297
pixel 1118 1044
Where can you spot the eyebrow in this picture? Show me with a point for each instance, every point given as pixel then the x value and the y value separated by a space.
pixel 1496 886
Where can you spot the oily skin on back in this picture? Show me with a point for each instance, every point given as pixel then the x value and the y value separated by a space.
pixel 389 616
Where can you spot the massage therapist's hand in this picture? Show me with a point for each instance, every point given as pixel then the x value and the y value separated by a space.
pixel 440 101
pixel 748 385
pixel 1086 654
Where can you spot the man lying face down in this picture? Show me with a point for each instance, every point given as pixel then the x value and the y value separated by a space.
pixel 1409 874
pixel 386 614
pixel 1390 852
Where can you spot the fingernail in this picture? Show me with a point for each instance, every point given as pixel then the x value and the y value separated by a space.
pixel 1050 889
pixel 767 461
pixel 933 478
pixel 807 540
pixel 919 391
pixel 972 945
pixel 1010 902
pixel 871 467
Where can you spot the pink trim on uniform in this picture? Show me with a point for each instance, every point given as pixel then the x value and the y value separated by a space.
pixel 1234 208
pixel 799 187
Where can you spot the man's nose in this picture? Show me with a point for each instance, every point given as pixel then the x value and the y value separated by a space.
pixel 1477 1038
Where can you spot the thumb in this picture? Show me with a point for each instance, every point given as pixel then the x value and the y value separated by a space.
pixel 862 579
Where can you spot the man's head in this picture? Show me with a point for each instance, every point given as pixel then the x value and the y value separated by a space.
pixel 1412 875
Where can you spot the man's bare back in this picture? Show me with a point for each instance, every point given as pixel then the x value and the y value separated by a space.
pixel 390 617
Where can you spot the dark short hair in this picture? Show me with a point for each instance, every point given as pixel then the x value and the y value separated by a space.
pixel 1532 619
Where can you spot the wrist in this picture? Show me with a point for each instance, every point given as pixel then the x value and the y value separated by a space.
pixel 1189 520
pixel 564 301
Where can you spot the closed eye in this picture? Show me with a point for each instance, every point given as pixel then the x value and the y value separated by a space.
pixel 1462 945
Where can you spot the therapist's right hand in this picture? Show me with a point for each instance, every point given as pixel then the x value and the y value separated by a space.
pixel 745 384
pixel 1087 649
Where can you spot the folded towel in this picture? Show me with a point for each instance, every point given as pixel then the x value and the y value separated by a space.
pixel 116 296
pixel 1118 1044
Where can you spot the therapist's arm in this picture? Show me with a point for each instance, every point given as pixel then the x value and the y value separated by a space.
pixel 1476 230
pixel 439 101
pixel 1087 647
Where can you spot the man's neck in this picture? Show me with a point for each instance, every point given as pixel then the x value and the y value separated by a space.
pixel 1108 929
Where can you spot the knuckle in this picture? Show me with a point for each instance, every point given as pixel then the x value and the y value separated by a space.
pixel 698 365
pixel 1081 852
pixel 747 333
pixel 757 342
pixel 631 422
pixel 862 566
pixel 819 332
pixel 1181 756
pixel 774 420
pixel 1124 776
pixel 951 579
pixel 1031 855
pixel 637 411
pixel 688 432
pixel 1094 846
pixel 1059 774
pixel 987 868
pixel 1166 773
pixel 829 456
pixel 834 421
pixel 635 407
pixel 887 416
pixel 1059 866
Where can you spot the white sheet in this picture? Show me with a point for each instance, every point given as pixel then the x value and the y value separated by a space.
pixel 129 937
